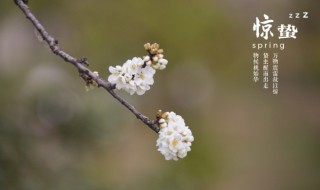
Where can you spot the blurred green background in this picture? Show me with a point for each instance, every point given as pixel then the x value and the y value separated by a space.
pixel 54 135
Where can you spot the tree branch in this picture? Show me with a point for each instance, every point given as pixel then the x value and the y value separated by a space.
pixel 79 64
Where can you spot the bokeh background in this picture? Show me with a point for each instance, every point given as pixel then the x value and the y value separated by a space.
pixel 55 135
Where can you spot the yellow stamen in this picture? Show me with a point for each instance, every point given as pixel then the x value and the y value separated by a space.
pixel 175 142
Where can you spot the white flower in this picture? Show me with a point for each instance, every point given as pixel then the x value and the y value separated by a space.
pixel 159 62
pixel 96 73
pixel 144 79
pixel 134 76
pixel 146 58
pixel 115 74
pixel 174 137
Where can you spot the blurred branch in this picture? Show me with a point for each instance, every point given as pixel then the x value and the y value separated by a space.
pixel 84 72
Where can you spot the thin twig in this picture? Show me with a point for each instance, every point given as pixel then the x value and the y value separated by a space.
pixel 79 64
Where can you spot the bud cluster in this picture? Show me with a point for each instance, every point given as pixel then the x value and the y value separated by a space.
pixel 155 56
pixel 90 83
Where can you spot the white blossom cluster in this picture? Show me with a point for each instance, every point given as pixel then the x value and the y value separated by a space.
pixel 136 75
pixel 175 137
pixel 132 77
